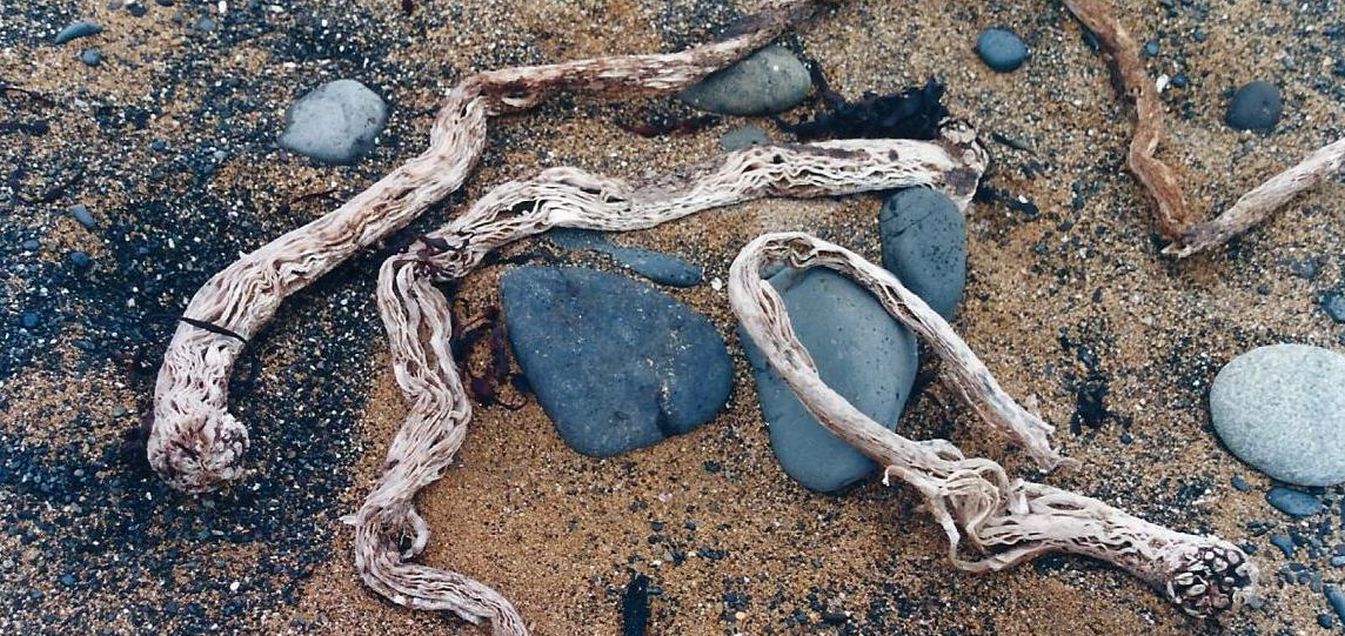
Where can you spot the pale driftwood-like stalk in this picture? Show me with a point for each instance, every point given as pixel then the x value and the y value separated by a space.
pixel 417 319
pixel 195 444
pixel 1256 206
pixel 1008 520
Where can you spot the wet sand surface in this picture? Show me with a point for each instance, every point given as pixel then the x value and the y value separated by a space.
pixel 173 139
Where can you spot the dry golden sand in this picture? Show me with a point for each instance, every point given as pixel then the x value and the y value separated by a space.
pixel 560 533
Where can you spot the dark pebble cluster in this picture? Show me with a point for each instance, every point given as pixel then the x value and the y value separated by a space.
pixel 1306 526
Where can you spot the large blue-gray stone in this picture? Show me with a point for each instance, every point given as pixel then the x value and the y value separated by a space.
pixel 769 81
pixel 924 239
pixel 335 123
pixel 860 351
pixel 1281 409
pixel 614 362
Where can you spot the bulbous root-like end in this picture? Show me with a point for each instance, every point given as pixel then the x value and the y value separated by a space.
pixel 1211 580
pixel 197 453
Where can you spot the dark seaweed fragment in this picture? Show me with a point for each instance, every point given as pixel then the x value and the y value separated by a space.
pixel 635 606
pixel 912 113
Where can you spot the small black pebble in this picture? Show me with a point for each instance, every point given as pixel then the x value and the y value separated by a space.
pixel 1151 48
pixel 1337 600
pixel 29 319
pixel 158 144
pixel 136 9
pixel 91 57
pixel 83 215
pixel 164 3
pixel 1263 289
pixel 32 245
pixel 1240 484
pixel 1334 304
pixel 1324 620
pixel 1127 438
pixel 1180 80
pixel 1294 503
pixel 834 617
pixel 68 579
pixel 1255 106
pixel 1284 543
pixel 80 259
pixel 712 466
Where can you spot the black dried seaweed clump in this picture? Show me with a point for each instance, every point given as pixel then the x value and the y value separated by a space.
pixel 912 113
pixel 635 606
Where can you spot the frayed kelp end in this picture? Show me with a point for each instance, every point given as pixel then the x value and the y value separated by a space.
pixel 912 113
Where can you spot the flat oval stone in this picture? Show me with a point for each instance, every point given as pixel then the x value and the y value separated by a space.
pixel 76 30
pixel 1281 409
pixel 1285 543
pixel 1294 503
pixel 335 123
pixel 924 240
pixel 79 259
pixel 769 81
pixel 1255 106
pixel 1336 598
pixel 654 265
pixel 1001 49
pixel 860 351
pixel 615 363
pixel 83 215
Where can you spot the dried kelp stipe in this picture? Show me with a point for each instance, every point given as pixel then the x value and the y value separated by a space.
pixel 419 325
pixel 196 444
pixel 912 113
pixel 1256 206
pixel 1156 176
pixel 1253 208
pixel 1006 520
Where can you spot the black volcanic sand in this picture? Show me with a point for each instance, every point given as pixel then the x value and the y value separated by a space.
pixel 170 142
